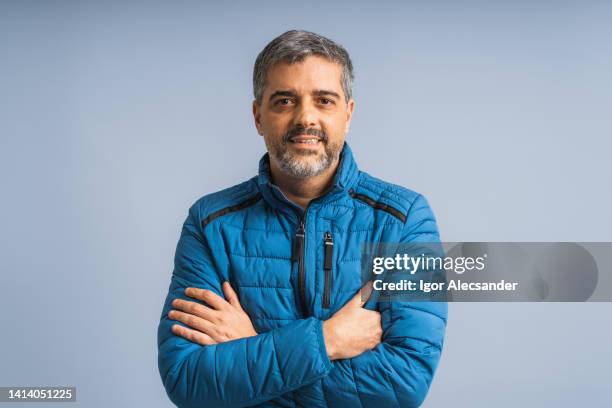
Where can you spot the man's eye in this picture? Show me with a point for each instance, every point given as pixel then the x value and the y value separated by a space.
pixel 326 101
pixel 283 101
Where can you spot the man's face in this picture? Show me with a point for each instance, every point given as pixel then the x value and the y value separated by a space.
pixel 303 116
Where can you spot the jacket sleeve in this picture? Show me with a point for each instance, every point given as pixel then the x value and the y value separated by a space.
pixel 399 371
pixel 237 373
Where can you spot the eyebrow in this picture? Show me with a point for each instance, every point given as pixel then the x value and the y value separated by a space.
pixel 317 92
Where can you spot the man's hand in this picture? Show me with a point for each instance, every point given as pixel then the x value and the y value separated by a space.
pixel 222 321
pixel 352 329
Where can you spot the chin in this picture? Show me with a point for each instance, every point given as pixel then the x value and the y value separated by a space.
pixel 306 154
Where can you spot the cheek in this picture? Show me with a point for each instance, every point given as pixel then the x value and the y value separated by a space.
pixel 337 122
pixel 276 126
pixel 336 130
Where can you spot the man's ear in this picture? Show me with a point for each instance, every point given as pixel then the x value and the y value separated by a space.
pixel 350 106
pixel 257 117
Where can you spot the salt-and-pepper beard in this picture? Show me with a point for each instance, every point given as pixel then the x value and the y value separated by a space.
pixel 291 164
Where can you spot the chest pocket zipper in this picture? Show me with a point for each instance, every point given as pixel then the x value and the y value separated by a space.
pixel 328 243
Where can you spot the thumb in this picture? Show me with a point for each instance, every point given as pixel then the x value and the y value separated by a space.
pixel 230 295
pixel 362 295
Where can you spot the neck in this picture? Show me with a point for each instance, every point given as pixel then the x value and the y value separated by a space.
pixel 302 191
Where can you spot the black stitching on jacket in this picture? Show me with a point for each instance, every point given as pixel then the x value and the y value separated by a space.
pixel 378 205
pixel 246 203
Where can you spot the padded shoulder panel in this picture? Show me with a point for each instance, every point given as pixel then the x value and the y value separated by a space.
pixel 391 198
pixel 214 205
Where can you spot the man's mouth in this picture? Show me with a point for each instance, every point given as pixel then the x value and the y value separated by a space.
pixel 305 139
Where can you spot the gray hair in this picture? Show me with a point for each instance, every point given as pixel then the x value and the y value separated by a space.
pixel 294 46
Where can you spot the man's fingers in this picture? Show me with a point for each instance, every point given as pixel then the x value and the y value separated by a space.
pixel 230 295
pixel 192 321
pixel 207 296
pixel 362 295
pixel 192 335
pixel 194 308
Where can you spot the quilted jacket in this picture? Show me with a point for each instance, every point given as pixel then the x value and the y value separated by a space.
pixel 293 269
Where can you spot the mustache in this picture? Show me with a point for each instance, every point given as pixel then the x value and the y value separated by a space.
pixel 299 130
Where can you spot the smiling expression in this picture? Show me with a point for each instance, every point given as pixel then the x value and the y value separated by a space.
pixel 304 116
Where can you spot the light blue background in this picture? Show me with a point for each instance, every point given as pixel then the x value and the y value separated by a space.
pixel 116 116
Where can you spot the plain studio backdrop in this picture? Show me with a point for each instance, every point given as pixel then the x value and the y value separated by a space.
pixel 116 116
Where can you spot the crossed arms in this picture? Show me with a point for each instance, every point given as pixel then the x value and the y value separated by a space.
pixel 386 356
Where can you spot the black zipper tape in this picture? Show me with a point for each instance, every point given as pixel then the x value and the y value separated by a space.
pixel 300 236
pixel 328 243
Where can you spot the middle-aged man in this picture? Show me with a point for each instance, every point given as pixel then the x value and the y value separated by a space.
pixel 266 305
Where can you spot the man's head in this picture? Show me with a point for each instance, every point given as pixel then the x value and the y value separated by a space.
pixel 302 83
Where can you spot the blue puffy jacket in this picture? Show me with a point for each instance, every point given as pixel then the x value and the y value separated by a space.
pixel 292 269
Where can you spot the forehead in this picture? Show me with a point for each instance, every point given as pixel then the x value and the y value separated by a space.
pixel 314 72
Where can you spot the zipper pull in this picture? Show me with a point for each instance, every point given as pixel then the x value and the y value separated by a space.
pixel 298 243
pixel 329 247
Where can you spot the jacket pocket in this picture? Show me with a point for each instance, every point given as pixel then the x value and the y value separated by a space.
pixel 328 251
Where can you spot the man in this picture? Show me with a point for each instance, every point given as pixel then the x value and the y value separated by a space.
pixel 266 304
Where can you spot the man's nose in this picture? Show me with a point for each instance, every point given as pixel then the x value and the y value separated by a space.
pixel 306 115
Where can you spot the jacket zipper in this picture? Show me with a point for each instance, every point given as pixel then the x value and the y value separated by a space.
pixel 328 243
pixel 298 255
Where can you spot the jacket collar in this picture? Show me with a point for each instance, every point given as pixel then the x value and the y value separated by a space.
pixel 344 179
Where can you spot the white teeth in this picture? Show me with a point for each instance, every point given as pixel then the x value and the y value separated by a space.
pixel 307 141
